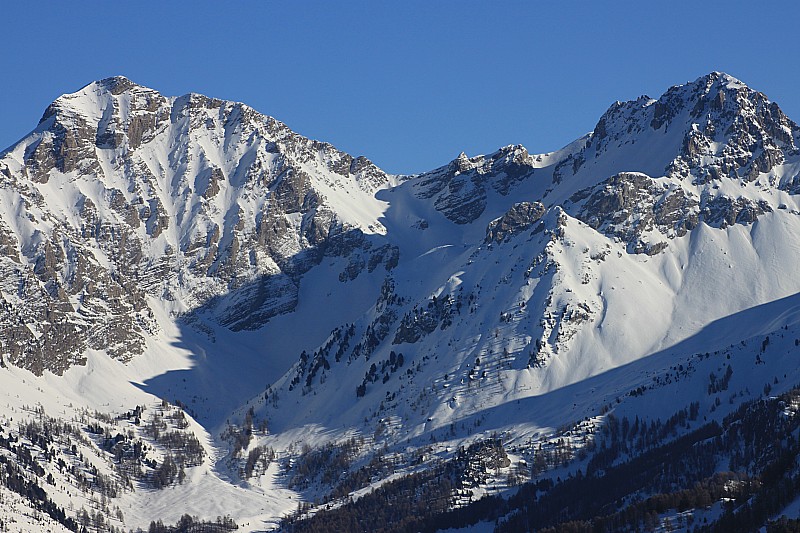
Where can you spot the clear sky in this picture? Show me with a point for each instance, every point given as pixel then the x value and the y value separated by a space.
pixel 408 84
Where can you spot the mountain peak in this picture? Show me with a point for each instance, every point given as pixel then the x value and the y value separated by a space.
pixel 93 98
pixel 111 86
pixel 721 79
pixel 716 125
pixel 115 84
pixel 695 95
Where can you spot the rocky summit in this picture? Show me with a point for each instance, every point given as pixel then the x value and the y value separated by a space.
pixel 206 318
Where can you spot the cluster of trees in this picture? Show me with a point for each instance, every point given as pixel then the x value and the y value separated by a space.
pixel 388 367
pixel 324 464
pixel 258 460
pixel 239 436
pixel 167 473
pixel 192 524
pixel 167 428
pixel 762 440
pixel 374 335
pixel 719 384
pixel 603 492
pixel 44 441
pixel 185 446
pixel 416 502
pixel 380 466
pixel 310 365
pixel 49 434
pixel 184 450
pixel 400 505
pixel 95 521
pixel 15 478
pixel 637 472
pixel 619 437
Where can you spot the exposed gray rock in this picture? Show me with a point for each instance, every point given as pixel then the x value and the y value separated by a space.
pixel 721 211
pixel 422 321
pixel 460 188
pixel 519 218
pixel 629 205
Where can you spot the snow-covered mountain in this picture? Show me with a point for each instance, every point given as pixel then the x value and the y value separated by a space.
pixel 319 319
pixel 557 267
pixel 121 194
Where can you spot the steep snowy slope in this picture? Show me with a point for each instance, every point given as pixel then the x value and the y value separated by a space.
pixel 328 327
pixel 598 264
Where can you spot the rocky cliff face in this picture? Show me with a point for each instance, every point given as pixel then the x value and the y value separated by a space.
pixel 649 164
pixel 459 190
pixel 122 195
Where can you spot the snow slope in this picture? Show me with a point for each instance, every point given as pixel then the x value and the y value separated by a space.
pixel 288 294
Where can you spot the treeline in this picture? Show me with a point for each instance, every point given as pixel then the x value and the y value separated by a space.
pixel 646 514
pixel 191 524
pixel 399 505
pixel 784 525
pixel 410 503
pixel 679 475
pixel 584 497
pixel 379 467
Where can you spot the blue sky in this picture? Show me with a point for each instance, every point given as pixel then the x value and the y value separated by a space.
pixel 408 84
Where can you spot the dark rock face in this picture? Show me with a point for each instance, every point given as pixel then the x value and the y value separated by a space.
pixel 621 122
pixel 421 321
pixel 721 211
pixel 628 205
pixel 258 301
pixel 519 218
pixel 736 132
